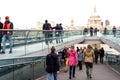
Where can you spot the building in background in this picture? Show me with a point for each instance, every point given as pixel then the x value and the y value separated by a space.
pixel 94 20
pixel 107 22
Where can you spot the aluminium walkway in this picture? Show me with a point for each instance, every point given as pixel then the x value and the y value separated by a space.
pixel 100 72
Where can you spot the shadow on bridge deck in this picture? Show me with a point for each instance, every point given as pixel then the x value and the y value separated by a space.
pixel 100 72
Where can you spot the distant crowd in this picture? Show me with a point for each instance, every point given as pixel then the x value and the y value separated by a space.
pixel 93 31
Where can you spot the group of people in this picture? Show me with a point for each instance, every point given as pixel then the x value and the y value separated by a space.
pixel 48 32
pixel 91 30
pixel 99 53
pixel 72 57
pixel 6 34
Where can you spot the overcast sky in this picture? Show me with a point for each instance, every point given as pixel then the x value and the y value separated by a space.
pixel 25 13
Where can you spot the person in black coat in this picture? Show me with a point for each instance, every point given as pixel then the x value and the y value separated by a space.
pixel 52 65
pixel 96 52
pixel 46 31
pixel 1 26
pixel 102 52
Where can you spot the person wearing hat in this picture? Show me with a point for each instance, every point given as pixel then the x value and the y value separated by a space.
pixel 7 34
pixel 1 25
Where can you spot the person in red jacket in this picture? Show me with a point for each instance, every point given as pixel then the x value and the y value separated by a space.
pixel 7 34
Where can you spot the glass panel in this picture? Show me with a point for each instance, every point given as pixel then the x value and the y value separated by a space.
pixel 19 42
pixel 113 61
pixel 30 41
pixel 39 69
pixel 4 62
pixel 6 73
pixel 23 72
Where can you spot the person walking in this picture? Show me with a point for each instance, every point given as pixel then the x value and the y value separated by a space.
pixel 95 31
pixel 114 31
pixel 61 32
pixel 96 52
pixel 47 31
pixel 72 61
pixel 52 65
pixel 1 26
pixel 80 58
pixel 102 53
pixel 105 31
pixel 57 35
pixel 88 56
pixel 91 31
pixel 7 34
pixel 65 58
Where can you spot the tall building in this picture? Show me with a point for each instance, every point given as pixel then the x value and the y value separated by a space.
pixel 39 25
pixel 107 22
pixel 94 20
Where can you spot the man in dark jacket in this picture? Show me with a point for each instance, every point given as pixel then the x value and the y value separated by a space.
pixel 96 52
pixel 47 32
pixel 1 25
pixel 52 64
pixel 102 52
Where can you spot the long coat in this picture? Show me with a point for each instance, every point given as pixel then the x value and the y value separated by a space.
pixel 72 58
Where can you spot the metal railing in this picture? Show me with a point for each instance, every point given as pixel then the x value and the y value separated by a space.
pixel 26 42
pixel 30 41
pixel 113 61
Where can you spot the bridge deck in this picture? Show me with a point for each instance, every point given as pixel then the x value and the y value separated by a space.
pixel 100 72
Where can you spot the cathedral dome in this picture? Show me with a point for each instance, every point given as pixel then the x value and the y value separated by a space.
pixel 94 20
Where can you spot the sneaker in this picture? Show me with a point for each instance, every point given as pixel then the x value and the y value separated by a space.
pixel 10 52
pixel 69 77
pixel 73 76
pixel 90 76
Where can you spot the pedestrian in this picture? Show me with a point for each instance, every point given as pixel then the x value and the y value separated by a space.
pixel 47 31
pixel 102 53
pixel 65 58
pixel 95 31
pixel 61 32
pixel 91 31
pixel 1 26
pixel 72 61
pixel 77 49
pixel 105 31
pixel 57 35
pixel 96 53
pixel 7 34
pixel 52 64
pixel 88 56
pixel 80 58
pixel 114 31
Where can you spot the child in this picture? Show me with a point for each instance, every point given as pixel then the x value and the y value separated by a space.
pixel 80 58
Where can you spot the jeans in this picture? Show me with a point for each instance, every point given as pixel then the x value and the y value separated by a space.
pixel 49 76
pixel 71 71
pixel 4 40
pixel 0 43
pixel 89 67
pixel 80 65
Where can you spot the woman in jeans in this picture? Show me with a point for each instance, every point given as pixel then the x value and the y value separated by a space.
pixel 72 61
pixel 88 56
